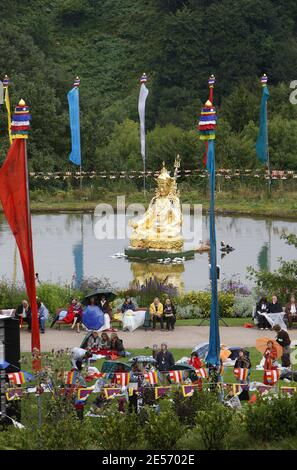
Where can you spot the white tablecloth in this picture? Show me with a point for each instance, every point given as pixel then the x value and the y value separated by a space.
pixel 275 319
pixel 133 320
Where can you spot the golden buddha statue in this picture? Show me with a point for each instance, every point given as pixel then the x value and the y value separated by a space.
pixel 161 225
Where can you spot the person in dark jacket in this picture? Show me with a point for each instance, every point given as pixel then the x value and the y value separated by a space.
pixel 169 313
pixel 105 307
pixel 23 311
pixel 283 339
pixel 243 361
pixel 128 305
pixel 262 307
pixel 275 306
pixel 164 359
pixel 116 344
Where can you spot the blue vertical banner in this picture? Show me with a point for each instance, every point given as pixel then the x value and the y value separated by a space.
pixel 73 101
pixel 262 141
pixel 207 130
pixel 213 356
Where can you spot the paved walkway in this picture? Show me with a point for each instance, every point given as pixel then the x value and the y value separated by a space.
pixel 181 337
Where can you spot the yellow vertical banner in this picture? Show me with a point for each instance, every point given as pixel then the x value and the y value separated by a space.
pixel 7 103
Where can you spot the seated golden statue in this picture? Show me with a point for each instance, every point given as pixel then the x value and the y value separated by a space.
pixel 160 227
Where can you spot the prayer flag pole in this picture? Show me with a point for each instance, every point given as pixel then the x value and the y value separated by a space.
pixel 143 93
pixel 207 129
pixel 262 144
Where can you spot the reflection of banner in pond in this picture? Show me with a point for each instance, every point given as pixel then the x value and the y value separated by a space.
pixel 170 273
pixel 78 262
pixel 263 258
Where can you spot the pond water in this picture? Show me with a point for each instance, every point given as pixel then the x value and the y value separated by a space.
pixel 65 244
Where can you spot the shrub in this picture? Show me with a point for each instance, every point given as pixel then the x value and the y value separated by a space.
pixel 118 431
pixel 272 418
pixel 162 431
pixel 243 305
pixel 202 300
pixel 186 408
pixel 152 288
pixel 54 296
pixel 188 311
pixel 214 426
pixel 11 294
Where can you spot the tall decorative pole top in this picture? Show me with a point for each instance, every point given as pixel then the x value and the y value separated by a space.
pixel 5 81
pixel 143 78
pixel 264 80
pixel 211 81
pixel 76 82
pixel 20 123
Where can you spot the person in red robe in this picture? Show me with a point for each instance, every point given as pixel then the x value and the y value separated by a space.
pixel 270 356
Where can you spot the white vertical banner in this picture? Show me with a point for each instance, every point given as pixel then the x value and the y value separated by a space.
pixel 141 111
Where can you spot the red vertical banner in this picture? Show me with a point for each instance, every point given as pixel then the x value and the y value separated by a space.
pixel 14 196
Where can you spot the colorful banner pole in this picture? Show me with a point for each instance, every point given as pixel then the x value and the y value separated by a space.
pixel 207 129
pixel 262 144
pixel 16 207
pixel 143 93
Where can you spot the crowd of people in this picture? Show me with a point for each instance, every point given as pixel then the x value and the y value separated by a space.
pixel 264 308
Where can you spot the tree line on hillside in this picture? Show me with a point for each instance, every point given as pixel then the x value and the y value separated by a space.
pixel 44 44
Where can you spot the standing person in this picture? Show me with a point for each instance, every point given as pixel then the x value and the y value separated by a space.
pixel 243 362
pixel 283 339
pixel 262 307
pixel 43 315
pixel 270 356
pixel 156 313
pixel 128 305
pixel 78 356
pixel 23 312
pixel 291 311
pixel 169 314
pixel 165 359
pixel 105 307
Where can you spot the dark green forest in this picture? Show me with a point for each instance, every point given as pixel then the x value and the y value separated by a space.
pixel 44 44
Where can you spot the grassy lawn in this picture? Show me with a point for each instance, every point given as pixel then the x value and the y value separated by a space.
pixel 228 321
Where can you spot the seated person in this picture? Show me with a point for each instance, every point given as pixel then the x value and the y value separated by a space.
pixel 291 311
pixel 128 305
pixel 195 360
pixel 156 313
pixel 43 314
pixel 73 310
pixel 262 307
pixel 23 312
pixel 169 314
pixel 275 306
pixel 116 345
pixel 93 341
pixel 104 342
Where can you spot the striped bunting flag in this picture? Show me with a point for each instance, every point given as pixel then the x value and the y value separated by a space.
pixel 151 377
pixel 122 378
pixel 240 373
pixel 272 376
pixel 176 376
pixel 202 373
pixel 17 378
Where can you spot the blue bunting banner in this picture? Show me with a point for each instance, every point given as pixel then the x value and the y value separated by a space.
pixel 73 101
pixel 262 141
